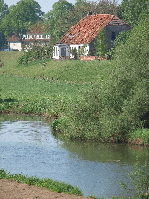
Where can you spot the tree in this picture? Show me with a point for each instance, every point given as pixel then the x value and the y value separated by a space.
pixel 107 7
pixel 81 9
pixel 132 9
pixel 58 19
pixel 3 12
pixel 21 16
pixel 3 9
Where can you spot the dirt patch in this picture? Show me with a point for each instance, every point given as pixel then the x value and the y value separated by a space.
pixel 137 141
pixel 13 190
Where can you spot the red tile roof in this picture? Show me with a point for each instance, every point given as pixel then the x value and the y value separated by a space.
pixel 87 28
pixel 13 38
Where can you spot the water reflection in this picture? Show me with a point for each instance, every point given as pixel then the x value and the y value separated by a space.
pixel 122 153
pixel 27 146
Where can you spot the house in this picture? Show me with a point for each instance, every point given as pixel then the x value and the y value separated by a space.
pixel 26 41
pixel 84 33
pixel 14 43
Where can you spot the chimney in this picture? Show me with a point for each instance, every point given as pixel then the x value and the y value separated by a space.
pixel 90 13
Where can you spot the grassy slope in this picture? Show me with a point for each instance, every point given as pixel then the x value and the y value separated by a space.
pixel 45 88
pixel 70 70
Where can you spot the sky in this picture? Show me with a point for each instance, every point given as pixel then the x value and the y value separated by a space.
pixel 46 5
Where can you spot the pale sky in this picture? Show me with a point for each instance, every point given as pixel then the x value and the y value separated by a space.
pixel 46 5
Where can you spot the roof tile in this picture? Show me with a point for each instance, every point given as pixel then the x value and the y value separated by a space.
pixel 87 28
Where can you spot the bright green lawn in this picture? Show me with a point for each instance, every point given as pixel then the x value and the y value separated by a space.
pixel 69 70
pixel 45 88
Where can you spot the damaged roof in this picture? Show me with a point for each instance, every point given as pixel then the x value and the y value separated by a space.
pixel 87 28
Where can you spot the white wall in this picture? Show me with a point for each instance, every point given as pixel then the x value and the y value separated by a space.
pixel 78 46
pixel 15 46
pixel 57 50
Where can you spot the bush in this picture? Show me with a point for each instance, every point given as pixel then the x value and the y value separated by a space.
pixel 36 53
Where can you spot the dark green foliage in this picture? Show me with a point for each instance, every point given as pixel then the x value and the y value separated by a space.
pixel 21 16
pixel 3 9
pixel 101 44
pixel 131 10
pixel 120 39
pixel 120 104
pixel 58 19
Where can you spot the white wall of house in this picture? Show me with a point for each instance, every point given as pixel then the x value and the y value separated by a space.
pixel 15 45
pixel 61 51
pixel 78 48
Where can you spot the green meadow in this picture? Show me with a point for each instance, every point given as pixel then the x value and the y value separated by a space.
pixel 45 88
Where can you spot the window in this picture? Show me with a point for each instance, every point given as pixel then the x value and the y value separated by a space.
pixel 113 36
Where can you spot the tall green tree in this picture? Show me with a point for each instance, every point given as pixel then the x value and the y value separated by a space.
pixel 107 7
pixel 3 12
pixel 81 9
pixel 57 20
pixel 21 16
pixel 101 44
pixel 3 9
pixel 132 9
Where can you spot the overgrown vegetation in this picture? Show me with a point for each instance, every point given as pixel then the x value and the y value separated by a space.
pixel 47 183
pixel 114 108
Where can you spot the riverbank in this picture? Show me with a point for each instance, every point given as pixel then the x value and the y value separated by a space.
pixel 20 186
pixel 11 190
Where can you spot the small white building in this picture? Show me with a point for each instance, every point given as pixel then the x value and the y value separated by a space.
pixel 14 43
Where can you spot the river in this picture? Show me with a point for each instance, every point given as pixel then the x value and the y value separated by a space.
pixel 28 147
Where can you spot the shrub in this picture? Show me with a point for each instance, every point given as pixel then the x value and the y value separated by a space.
pixel 36 53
